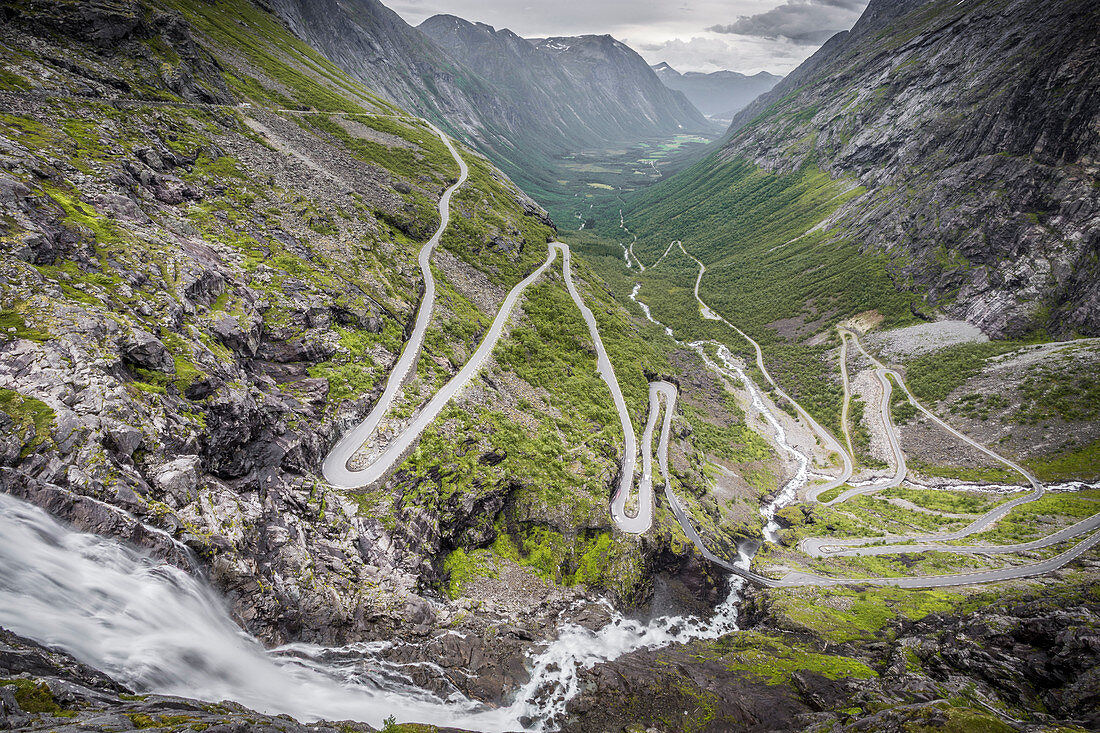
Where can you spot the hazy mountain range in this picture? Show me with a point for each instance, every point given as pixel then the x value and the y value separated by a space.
pixel 719 94
pixel 520 102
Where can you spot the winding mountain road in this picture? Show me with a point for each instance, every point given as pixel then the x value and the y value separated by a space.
pixel 335 467
pixel 821 546
pixel 338 472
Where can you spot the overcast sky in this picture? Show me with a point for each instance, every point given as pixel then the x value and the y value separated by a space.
pixel 692 35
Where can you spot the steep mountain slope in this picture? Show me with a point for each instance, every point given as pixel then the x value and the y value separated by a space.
pixel 949 147
pixel 519 116
pixel 581 89
pixel 208 265
pixel 379 49
pixel 720 94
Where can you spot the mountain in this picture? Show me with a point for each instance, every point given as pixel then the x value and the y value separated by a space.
pixel 521 110
pixel 720 94
pixel 580 89
pixel 939 149
pixel 209 261
pixel 220 254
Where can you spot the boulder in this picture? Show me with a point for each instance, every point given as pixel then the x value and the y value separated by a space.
pixel 179 480
pixel 242 339
pixel 146 351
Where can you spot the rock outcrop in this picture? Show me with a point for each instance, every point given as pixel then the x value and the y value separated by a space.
pixel 975 128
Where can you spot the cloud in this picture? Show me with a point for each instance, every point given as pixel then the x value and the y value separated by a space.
pixel 805 22
pixel 713 53
pixel 661 30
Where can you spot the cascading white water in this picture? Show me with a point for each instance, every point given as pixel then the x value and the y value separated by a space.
pixel 555 674
pixel 789 493
pixel 155 628
pixel 731 369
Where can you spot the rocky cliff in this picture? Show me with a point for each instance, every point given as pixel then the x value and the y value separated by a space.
pixel 582 90
pixel 973 131
pixel 720 94
pixel 518 107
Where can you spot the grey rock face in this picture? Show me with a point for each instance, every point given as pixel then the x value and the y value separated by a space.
pixel 146 351
pixel 974 128
pixel 583 89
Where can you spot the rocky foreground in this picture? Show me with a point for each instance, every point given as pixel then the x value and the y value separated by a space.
pixel 1023 659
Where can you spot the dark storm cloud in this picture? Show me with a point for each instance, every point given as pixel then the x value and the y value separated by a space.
pixel 806 22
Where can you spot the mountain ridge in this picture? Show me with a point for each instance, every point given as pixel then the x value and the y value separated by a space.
pixel 405 64
pixel 1011 263
pixel 718 94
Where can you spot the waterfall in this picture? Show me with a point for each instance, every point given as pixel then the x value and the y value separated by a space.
pixel 155 628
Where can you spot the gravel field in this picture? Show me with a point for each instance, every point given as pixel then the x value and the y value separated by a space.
pixel 925 337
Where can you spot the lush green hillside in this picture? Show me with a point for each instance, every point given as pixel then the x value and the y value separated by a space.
pixel 209 266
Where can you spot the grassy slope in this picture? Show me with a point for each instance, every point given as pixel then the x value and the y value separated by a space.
pixel 556 519
pixel 752 230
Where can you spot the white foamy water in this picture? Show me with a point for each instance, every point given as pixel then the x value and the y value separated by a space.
pixel 555 675
pixel 789 493
pixel 732 369
pixel 157 629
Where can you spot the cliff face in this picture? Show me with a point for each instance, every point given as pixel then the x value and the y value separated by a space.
pixel 720 94
pixel 519 104
pixel 575 90
pixel 975 128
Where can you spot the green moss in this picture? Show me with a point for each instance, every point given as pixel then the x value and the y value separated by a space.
pixel 841 614
pixel 962 720
pixel 11 82
pixel 426 151
pixel 13 324
pixel 218 170
pixel 29 415
pixel 81 214
pixel 593 564
pixel 774 661
pixel 141 721
pixel 36 698
pixel 461 567
pixel 1034 519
